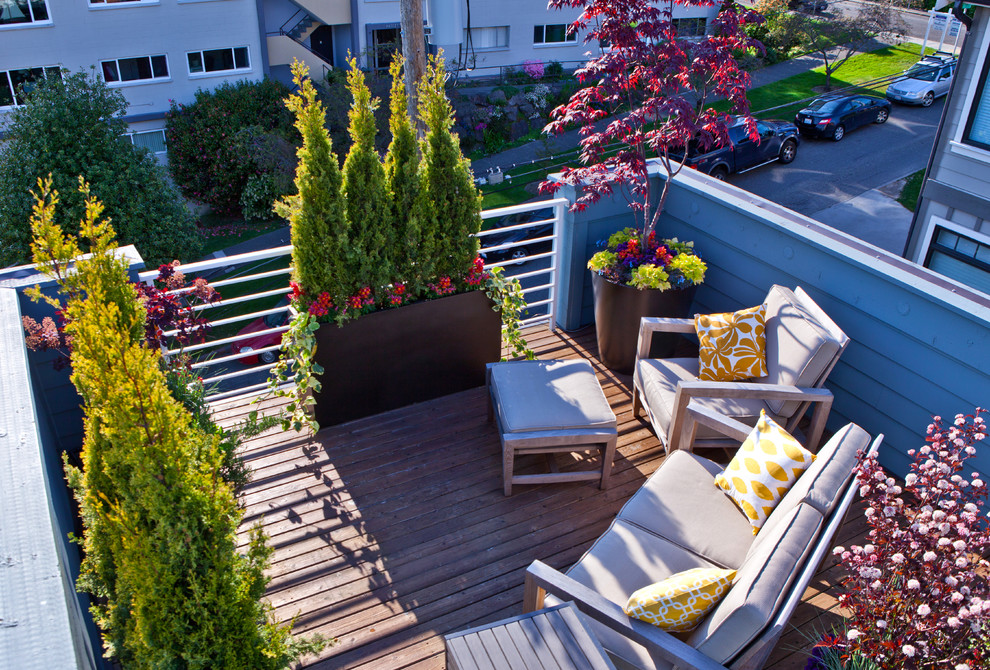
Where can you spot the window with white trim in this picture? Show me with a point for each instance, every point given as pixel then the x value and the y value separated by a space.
pixel 23 12
pixel 553 33
pixel 152 140
pixel 215 61
pixel 141 68
pixel 960 257
pixel 493 37
pixel 694 27
pixel 13 83
pixel 977 130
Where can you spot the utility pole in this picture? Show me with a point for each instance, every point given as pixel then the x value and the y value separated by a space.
pixel 414 53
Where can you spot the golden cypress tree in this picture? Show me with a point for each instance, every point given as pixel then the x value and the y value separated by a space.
pixel 402 179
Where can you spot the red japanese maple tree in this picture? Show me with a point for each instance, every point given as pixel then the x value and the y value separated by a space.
pixel 648 96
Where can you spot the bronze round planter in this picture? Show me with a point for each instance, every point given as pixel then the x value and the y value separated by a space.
pixel 397 357
pixel 618 310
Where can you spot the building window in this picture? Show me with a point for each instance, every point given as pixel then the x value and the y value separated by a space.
pixel 495 37
pixel 218 60
pixel 961 258
pixel 142 68
pixel 977 130
pixel 153 140
pixel 690 27
pixel 13 83
pixel 23 12
pixel 555 33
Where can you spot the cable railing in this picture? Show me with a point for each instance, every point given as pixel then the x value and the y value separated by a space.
pixel 247 323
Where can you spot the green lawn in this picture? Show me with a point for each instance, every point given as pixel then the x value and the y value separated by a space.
pixel 857 70
pixel 912 188
pixel 222 232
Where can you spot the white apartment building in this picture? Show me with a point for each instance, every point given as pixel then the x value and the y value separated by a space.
pixel 153 50
pixel 157 51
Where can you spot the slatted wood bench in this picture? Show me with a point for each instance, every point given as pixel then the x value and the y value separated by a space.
pixel 550 638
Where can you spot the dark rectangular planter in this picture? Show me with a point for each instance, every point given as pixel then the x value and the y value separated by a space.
pixel 397 357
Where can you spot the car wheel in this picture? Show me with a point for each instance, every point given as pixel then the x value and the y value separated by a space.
pixel 882 116
pixel 720 173
pixel 518 255
pixel 840 132
pixel 268 357
pixel 928 99
pixel 788 151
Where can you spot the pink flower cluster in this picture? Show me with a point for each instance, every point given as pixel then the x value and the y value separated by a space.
pixel 534 68
pixel 443 287
pixel 476 274
pixel 397 294
pixel 918 591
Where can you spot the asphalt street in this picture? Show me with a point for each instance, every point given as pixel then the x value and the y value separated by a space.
pixel 826 173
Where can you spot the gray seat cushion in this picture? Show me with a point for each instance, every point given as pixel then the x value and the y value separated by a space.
pixel 801 343
pixel 760 586
pixel 681 503
pixel 549 395
pixel 658 378
pixel 627 558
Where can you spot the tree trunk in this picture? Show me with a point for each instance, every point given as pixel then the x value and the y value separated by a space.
pixel 414 53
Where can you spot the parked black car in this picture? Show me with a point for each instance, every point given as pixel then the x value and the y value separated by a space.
pixel 835 115
pixel 778 142
pixel 518 253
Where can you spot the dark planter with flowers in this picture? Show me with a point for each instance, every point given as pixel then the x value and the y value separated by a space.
pixel 618 311
pixel 635 277
pixel 396 357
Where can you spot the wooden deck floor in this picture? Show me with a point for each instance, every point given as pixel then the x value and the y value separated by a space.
pixel 391 531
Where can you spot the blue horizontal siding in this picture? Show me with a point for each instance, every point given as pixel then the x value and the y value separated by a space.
pixel 917 348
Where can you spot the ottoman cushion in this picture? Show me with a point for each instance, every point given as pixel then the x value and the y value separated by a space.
pixel 549 395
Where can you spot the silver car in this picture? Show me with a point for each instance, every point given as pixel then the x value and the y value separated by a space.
pixel 928 79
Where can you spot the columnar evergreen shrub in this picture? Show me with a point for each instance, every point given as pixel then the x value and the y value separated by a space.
pixel 366 197
pixel 402 179
pixel 453 212
pixel 72 125
pixel 159 519
pixel 316 212
pixel 208 156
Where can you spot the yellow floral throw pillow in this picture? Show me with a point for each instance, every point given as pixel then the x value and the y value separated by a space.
pixel 678 603
pixel 764 468
pixel 733 345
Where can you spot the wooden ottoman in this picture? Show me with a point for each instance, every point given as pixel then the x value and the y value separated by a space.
pixel 548 407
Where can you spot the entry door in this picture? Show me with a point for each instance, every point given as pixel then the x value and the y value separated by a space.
pixel 386 43
pixel 321 41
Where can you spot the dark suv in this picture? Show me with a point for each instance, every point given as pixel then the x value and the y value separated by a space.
pixel 777 142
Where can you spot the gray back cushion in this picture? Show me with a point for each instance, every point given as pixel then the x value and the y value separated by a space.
pixel 760 587
pixel 801 343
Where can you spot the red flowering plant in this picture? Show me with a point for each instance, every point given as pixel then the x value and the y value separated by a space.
pixel 917 592
pixel 654 84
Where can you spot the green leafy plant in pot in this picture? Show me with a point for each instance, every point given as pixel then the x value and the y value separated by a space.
pixel 655 86
pixel 387 282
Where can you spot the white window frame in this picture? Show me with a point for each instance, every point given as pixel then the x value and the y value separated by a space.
pixel 934 222
pixel 6 74
pixel 570 39
pixel 131 135
pixel 219 73
pixel 120 4
pixel 957 143
pixel 32 23
pixel 501 47
pixel 136 82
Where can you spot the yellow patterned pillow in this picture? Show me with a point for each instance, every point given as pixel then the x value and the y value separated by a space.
pixel 764 468
pixel 733 345
pixel 678 603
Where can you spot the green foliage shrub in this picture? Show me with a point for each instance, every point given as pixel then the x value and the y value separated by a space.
pixel 553 71
pixel 402 181
pixel 70 127
pixel 316 212
pixel 210 154
pixel 159 518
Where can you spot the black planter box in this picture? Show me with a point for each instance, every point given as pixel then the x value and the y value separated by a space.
pixel 618 311
pixel 397 357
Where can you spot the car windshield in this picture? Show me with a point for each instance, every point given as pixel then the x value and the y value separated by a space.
pixel 823 105
pixel 922 72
